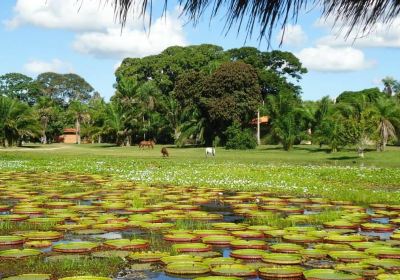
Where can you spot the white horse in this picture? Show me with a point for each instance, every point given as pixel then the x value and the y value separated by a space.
pixel 210 151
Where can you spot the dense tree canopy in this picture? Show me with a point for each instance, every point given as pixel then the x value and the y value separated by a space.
pixel 201 95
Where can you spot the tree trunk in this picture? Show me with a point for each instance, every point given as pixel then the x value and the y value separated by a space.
pixel 258 128
pixel 78 131
pixel 99 139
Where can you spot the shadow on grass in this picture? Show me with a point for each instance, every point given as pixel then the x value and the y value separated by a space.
pixel 344 158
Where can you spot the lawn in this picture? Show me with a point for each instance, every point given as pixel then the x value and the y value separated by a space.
pixel 305 171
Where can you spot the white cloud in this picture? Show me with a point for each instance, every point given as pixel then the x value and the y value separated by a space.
pixel 328 59
pixel 96 31
pixel 380 35
pixel 293 35
pixel 55 65
pixel 165 32
pixel 65 14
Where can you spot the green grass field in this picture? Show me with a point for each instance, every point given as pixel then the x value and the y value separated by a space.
pixel 305 171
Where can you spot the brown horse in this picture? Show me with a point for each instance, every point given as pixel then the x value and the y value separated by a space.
pixel 164 152
pixel 149 144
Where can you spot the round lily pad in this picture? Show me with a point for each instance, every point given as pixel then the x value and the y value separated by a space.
pixel 313 253
pixel 9 240
pixel 375 227
pixel 147 256
pixel 329 274
pixel 348 256
pixel 30 277
pixel 218 239
pixel 38 244
pixel 43 235
pixel 75 247
pixel 384 252
pixel 280 258
pixel 187 268
pixel 248 244
pixel 239 270
pixel 220 260
pixel 218 278
pixel 387 264
pixel 248 234
pixel 207 232
pixel 126 244
pixel 181 237
pixel 18 254
pixel 85 278
pixel 251 254
pixel 229 226
pixel 181 258
pixel 388 277
pixel 336 238
pixel 341 224
pixel 286 248
pixel 191 247
pixel 281 272
pixel 301 238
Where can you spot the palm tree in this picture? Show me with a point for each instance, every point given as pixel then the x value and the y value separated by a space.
pixel 45 110
pixel 80 114
pixel 387 113
pixel 115 122
pixel 193 126
pixel 17 120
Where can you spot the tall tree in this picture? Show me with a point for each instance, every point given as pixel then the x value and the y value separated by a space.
pixel 17 120
pixel 65 88
pixel 80 114
pixel 19 86
pixel 387 115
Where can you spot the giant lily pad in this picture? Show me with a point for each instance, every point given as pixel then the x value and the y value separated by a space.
pixel 30 277
pixel 251 254
pixel 43 235
pixel 248 234
pixel 85 278
pixel 279 258
pixel 388 277
pixel 75 247
pixel 126 244
pixel 218 278
pixel 239 270
pixel 181 258
pixel 187 268
pixel 181 237
pixel 375 227
pixel 11 240
pixel 348 256
pixel 147 256
pixel 19 254
pixel 281 272
pixel 248 244
pixel 329 274
pixel 191 247
pixel 286 248
pixel 384 252
pixel 218 239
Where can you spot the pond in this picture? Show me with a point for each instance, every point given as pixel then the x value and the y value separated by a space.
pixel 69 224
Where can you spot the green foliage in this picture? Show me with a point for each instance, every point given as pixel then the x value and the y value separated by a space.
pixel 17 121
pixel 18 86
pixel 239 139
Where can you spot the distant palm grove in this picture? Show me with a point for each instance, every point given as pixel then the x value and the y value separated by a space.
pixel 198 95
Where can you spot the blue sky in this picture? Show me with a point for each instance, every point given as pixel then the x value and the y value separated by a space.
pixel 40 35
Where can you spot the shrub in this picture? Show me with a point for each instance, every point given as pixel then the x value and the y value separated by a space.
pixel 239 139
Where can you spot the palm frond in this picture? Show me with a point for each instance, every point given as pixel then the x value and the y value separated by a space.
pixel 265 15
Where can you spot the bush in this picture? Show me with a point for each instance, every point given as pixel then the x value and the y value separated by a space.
pixel 239 139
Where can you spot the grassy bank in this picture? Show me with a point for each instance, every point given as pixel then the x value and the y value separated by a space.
pixel 305 171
